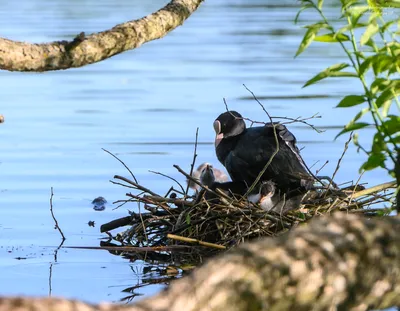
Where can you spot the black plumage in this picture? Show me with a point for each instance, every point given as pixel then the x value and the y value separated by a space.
pixel 245 151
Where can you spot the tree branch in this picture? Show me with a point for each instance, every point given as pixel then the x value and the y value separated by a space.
pixel 344 262
pixel 84 50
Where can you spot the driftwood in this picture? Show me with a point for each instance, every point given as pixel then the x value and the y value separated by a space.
pixel 84 50
pixel 344 262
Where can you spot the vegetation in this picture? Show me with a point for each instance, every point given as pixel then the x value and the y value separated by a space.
pixel 366 32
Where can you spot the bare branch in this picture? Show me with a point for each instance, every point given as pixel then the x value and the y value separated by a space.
pixel 84 50
pixel 54 217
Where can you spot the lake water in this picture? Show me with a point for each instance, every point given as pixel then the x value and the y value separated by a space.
pixel 144 106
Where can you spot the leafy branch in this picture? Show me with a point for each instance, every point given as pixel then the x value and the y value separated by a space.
pixel 370 56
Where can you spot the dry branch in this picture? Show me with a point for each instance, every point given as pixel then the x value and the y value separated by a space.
pixel 344 262
pixel 84 50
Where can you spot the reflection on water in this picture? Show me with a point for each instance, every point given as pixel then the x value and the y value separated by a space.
pixel 143 105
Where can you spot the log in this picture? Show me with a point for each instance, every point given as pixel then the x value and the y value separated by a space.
pixel 343 262
pixel 84 50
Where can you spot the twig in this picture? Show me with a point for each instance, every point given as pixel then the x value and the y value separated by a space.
pixel 190 240
pixel 122 162
pixel 169 177
pixel 320 169
pixel 54 218
pixel 143 225
pixel 148 201
pixel 122 202
pixel 355 186
pixel 312 165
pixel 256 99
pixel 390 184
pixel 178 202
pixel 276 144
pixel 193 162
pixel 370 210
pixel 346 146
pixel 123 185
pixel 135 184
pixel 300 120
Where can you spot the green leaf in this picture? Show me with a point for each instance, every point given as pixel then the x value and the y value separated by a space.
pixel 320 3
pixel 328 72
pixel 355 12
pixel 355 139
pixel 396 139
pixel 188 220
pixel 304 7
pixel 372 44
pixel 385 108
pixel 365 66
pixel 381 62
pixel 379 85
pixel 371 30
pixel 351 27
pixel 343 74
pixel 386 26
pixel 376 11
pixel 390 4
pixel 378 143
pixel 374 160
pixel 348 4
pixel 385 96
pixel 331 37
pixel 337 67
pixel 319 25
pixel 309 37
pixel 360 114
pixel 323 75
pixel 391 126
pixel 351 100
pixel 352 127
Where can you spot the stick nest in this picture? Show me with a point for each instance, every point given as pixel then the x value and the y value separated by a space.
pixel 177 219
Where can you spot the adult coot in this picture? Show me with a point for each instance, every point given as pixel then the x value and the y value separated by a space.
pixel 245 151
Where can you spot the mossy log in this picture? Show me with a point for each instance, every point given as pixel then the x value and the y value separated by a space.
pixel 83 50
pixel 343 262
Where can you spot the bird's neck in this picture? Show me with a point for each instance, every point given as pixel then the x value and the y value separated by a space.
pixel 225 147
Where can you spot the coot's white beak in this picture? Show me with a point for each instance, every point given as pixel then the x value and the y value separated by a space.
pixel 219 136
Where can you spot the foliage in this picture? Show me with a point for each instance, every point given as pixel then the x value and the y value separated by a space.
pixel 366 31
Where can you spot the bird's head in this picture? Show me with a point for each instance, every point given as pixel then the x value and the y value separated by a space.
pixel 228 124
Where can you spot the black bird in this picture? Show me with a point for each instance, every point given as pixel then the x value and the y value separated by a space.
pixel 245 151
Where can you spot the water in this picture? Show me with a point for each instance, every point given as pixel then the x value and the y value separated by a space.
pixel 144 106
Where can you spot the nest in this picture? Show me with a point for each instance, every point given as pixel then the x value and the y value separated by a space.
pixel 176 219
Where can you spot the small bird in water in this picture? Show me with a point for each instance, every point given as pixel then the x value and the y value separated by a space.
pixel 245 151
pixel 208 172
pixel 270 199
pixel 99 204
